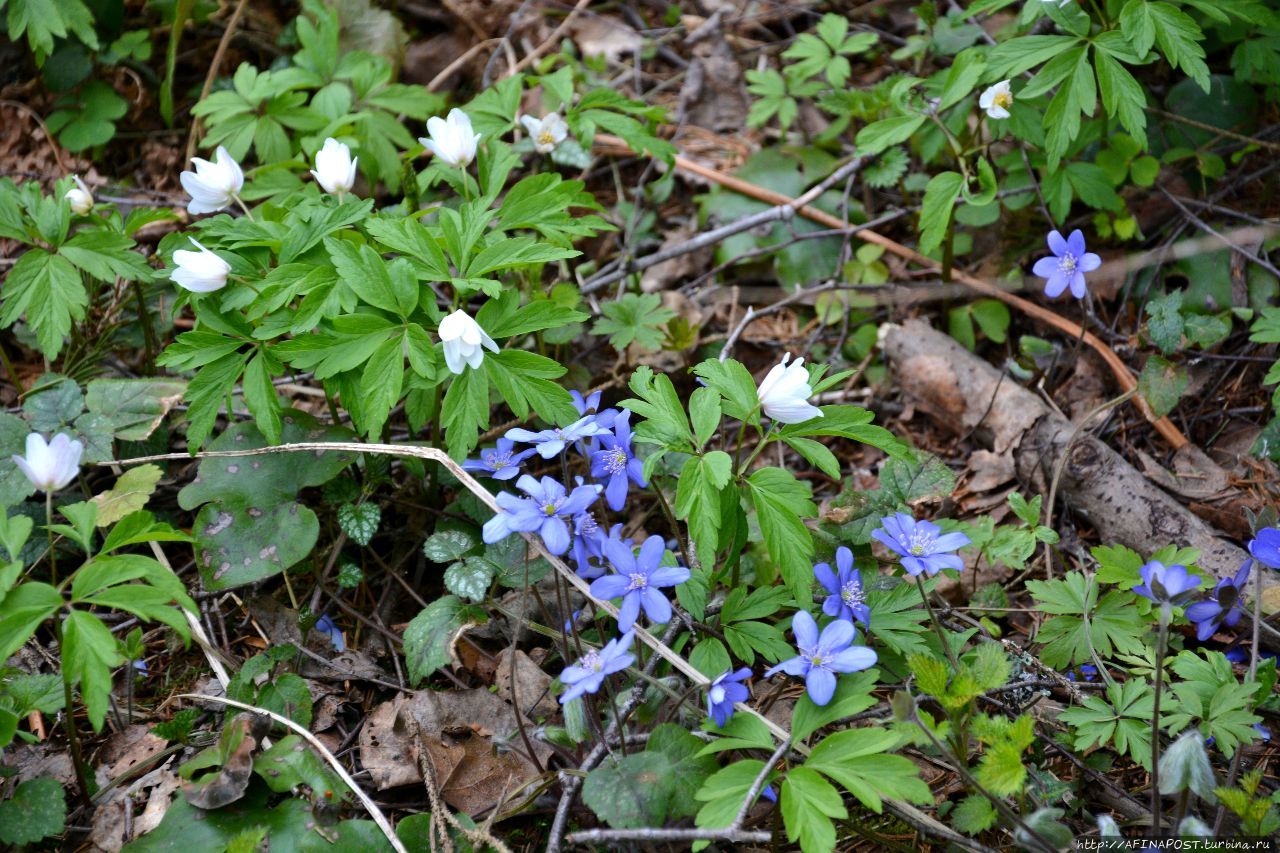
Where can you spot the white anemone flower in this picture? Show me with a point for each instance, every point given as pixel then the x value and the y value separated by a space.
pixel 452 139
pixel 784 393
pixel 546 132
pixel 199 272
pixel 996 100
pixel 464 342
pixel 50 467
pixel 213 185
pixel 335 169
pixel 79 197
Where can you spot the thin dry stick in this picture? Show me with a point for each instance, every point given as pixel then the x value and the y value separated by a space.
pixel 1164 426
pixel 466 57
pixel 213 73
pixel 370 806
pixel 550 40
pixel 905 811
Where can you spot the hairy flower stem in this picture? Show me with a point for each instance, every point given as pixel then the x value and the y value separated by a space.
pixel 245 208
pixel 48 527
pixel 1162 640
pixel 69 717
pixel 1234 772
pixel 764 441
pixel 937 626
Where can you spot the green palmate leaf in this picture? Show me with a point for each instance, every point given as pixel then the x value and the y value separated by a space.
pixel 1122 720
pixel 732 379
pixel 975 814
pixel 631 791
pixel 290 763
pixel 634 318
pixel 22 611
pixel 1113 623
pixel 856 759
pixel 689 768
pixel 1001 770
pixel 723 792
pixel 381 382
pixel 935 211
pixel 89 654
pixel 1015 56
pixel 45 289
pixel 665 421
pixel 808 803
pixel 1165 322
pixel 698 497
pixel 524 381
pixel 781 503
pixel 465 411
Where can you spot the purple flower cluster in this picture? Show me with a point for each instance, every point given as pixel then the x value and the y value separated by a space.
pixel 1224 604
pixel 567 523
pixel 562 517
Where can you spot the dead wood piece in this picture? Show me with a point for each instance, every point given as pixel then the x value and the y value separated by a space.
pixel 970 396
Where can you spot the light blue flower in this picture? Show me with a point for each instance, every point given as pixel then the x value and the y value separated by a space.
pixel 1166 584
pixel 500 462
pixel 847 598
pixel 823 655
pixel 638 581
pixel 589 673
pixel 922 545
pixel 550 442
pixel 547 509
pixel 617 462
pixel 1067 266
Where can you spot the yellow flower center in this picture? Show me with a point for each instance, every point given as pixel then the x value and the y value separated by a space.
pixel 1003 99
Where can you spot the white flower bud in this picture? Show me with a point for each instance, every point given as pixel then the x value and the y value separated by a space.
pixel 784 393
pixel 451 139
pixel 51 466
pixel 464 342
pixel 199 272
pixel 213 185
pixel 335 169
pixel 79 197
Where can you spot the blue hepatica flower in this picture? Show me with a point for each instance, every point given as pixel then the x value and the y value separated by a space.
pixel 1223 606
pixel 325 625
pixel 922 545
pixel 501 462
pixel 550 442
pixel 638 581
pixel 724 692
pixel 846 598
pixel 617 462
pixel 1265 547
pixel 590 405
pixel 547 509
pixel 590 671
pixel 823 655
pixel 1067 266
pixel 588 545
pixel 1088 672
pixel 1166 584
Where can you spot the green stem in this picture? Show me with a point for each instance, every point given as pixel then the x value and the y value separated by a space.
pixel 937 626
pixel 53 559
pixel 759 448
pixel 1162 639
pixel 69 716
pixel 245 208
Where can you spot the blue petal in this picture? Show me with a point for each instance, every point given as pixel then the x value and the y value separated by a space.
pixel 821 684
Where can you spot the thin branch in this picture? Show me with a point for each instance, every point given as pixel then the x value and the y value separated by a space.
pixel 370 806
pixel 778 213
